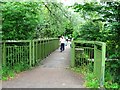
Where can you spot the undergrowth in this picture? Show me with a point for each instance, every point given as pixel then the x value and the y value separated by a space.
pixel 9 73
pixel 92 82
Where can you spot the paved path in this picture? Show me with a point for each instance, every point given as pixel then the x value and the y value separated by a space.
pixel 53 73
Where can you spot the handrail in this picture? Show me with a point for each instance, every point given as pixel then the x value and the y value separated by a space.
pixel 90 42
pixel 41 39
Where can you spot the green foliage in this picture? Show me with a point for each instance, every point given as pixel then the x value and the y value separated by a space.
pixel 7 73
pixel 29 20
pixel 96 21
pixel 112 73
pixel 111 85
pixel 19 20
pixel 91 81
pixel 19 57
pixel 103 27
pixel 10 72
pixel 101 22
pixel 91 31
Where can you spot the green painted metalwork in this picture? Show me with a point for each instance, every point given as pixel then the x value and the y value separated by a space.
pixel 73 55
pixel 29 52
pixel 4 54
pixel 85 53
pixel 99 60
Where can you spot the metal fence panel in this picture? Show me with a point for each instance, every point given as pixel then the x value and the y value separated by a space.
pixel 90 52
pixel 28 52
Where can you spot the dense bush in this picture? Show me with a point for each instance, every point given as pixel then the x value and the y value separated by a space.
pixel 101 23
pixel 29 20
pixel 19 20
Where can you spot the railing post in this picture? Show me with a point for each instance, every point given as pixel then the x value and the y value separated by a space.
pixel 99 62
pixel 95 59
pixel 73 55
pixel 103 65
pixel 40 49
pixel 0 56
pixel 30 52
pixel 4 54
pixel 36 59
pixel 33 52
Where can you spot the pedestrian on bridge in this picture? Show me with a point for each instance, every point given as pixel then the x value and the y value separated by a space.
pixel 62 43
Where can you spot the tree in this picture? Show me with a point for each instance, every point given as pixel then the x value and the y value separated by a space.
pixel 29 20
pixel 19 20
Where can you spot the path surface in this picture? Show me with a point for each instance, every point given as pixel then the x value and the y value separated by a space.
pixel 53 73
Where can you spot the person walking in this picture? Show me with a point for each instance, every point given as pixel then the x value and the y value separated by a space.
pixel 62 43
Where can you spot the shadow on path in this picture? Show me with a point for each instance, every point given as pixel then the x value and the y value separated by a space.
pixel 53 73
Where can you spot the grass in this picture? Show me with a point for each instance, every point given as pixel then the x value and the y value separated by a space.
pixel 90 79
pixel 92 82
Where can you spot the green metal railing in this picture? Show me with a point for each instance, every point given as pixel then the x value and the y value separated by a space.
pixel 90 53
pixel 27 52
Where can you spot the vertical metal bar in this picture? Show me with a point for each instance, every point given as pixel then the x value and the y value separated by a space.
pixel 36 51
pixel 8 54
pixel 13 55
pixel 87 62
pixel 103 65
pixel 33 52
pixel 18 54
pixel 80 60
pixel 16 51
pixel 45 49
pixel 89 55
pixel 21 54
pixel 30 46
pixel 73 55
pixel 40 50
pixel 50 45
pixel 4 54
pixel 85 50
pixel 27 54
pixel 95 59
pixel 26 48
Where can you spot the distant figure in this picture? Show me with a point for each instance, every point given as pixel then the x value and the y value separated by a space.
pixel 69 42
pixel 62 43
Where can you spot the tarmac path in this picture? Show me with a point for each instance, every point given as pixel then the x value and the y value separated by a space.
pixel 53 73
